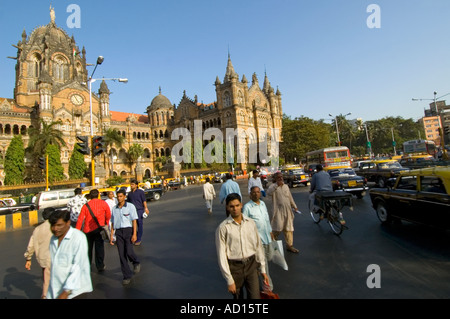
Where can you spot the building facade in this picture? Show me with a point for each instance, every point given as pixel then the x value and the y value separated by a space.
pixel 51 85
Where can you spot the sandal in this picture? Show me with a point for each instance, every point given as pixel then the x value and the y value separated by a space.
pixel 292 249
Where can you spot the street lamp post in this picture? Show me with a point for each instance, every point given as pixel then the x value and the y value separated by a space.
pixel 90 81
pixel 337 127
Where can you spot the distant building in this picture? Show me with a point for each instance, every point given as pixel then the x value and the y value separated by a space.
pixel 431 126
pixel 440 110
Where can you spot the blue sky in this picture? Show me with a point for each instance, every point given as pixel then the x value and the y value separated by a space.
pixel 321 54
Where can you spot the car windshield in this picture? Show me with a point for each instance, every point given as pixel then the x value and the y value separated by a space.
pixel 390 165
pixel 297 171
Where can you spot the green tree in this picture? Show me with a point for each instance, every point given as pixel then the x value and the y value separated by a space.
pixel 46 134
pixel 302 135
pixel 134 152
pixel 55 169
pixel 77 165
pixel 112 137
pixel 14 162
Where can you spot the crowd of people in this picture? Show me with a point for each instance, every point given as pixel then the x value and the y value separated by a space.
pixel 65 243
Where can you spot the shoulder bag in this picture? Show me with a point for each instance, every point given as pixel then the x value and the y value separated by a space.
pixel 104 230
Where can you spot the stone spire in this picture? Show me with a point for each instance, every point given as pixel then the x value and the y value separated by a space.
pixel 266 86
pixel 230 73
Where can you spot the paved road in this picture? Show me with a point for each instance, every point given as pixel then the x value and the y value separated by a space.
pixel 179 259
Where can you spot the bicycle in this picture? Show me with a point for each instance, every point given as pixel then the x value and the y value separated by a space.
pixel 330 207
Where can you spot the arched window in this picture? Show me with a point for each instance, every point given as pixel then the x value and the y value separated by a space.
pixel 60 69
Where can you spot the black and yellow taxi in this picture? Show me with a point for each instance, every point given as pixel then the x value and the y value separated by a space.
pixel 345 179
pixel 419 196
pixel 294 176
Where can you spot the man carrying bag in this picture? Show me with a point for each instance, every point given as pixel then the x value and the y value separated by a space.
pixel 94 215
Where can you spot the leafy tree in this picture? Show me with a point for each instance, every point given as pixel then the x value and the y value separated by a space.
pixel 55 169
pixel 14 162
pixel 77 165
pixel 134 152
pixel 46 134
pixel 302 135
pixel 112 137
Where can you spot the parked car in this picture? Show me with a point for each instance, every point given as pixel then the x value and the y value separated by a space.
pixel 420 196
pixel 6 208
pixel 295 176
pixel 153 193
pixel 379 171
pixel 54 198
pixel 345 179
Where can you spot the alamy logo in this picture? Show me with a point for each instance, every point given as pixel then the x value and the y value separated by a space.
pixel 74 19
pixel 241 145
pixel 374 19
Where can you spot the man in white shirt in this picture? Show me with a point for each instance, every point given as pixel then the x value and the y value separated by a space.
pixel 70 274
pixel 209 194
pixel 240 252
pixel 255 181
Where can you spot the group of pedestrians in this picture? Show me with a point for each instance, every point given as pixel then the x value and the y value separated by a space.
pixel 65 242
pixel 243 238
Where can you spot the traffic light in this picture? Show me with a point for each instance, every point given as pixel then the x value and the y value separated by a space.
pixel 84 145
pixel 97 145
pixel 42 162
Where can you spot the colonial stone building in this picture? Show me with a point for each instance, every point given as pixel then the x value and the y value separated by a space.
pixel 51 84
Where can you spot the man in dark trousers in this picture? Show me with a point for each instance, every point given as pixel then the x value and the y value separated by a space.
pixel 137 197
pixel 239 251
pixel 124 226
pixel 100 209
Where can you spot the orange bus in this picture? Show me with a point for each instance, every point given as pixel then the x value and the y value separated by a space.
pixel 330 157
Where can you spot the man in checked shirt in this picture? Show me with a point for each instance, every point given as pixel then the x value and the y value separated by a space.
pixel 240 252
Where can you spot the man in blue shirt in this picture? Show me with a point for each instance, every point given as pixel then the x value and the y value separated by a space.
pixel 137 197
pixel 229 187
pixel 124 226
pixel 320 182
pixel 70 274
pixel 256 209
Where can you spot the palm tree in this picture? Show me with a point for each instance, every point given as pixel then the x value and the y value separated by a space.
pixel 46 134
pixel 134 153
pixel 112 137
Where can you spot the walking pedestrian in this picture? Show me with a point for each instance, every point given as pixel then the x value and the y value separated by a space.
pixel 39 243
pixel 111 201
pixel 255 181
pixel 208 194
pixel 94 214
pixel 124 226
pixel 75 204
pixel 256 209
pixel 283 216
pixel 136 196
pixel 229 187
pixel 239 251
pixel 70 273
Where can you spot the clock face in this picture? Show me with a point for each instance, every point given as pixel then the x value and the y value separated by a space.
pixel 77 99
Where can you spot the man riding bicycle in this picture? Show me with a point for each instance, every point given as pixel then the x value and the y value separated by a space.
pixel 320 182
